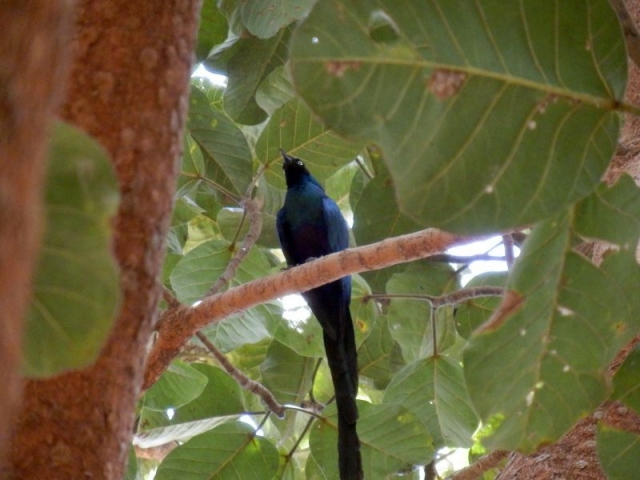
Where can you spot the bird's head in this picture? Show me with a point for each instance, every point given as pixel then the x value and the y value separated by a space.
pixel 294 170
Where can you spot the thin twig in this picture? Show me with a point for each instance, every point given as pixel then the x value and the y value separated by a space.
pixel 242 380
pixel 363 168
pixel 483 464
pixel 252 207
pixel 438 301
pixel 263 168
pixel 170 298
pixel 289 455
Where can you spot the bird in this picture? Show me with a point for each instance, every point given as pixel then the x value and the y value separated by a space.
pixel 310 225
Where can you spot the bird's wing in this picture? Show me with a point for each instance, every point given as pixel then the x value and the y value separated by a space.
pixel 284 234
pixel 338 232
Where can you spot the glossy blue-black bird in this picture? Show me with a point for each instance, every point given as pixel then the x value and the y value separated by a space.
pixel 310 225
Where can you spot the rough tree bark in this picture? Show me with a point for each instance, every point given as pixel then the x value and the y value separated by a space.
pixel 129 89
pixel 32 68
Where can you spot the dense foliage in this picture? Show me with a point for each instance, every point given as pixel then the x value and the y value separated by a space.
pixel 479 118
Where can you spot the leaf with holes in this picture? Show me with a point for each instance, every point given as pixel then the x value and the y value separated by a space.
pixel 541 363
pixel 491 114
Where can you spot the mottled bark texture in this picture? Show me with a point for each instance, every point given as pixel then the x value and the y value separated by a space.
pixel 32 67
pixel 128 88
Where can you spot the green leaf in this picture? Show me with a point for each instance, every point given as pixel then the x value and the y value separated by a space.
pixel 221 401
pixel 234 225
pixel 194 275
pixel 131 473
pixel 178 385
pixel 293 128
pixel 304 336
pixel 363 311
pixel 611 213
pixel 250 326
pixel 338 185
pixel 286 374
pixel 379 356
pixel 563 322
pixel 264 19
pixel 474 312
pixel 626 382
pixel 254 324
pixel 227 158
pixel 376 217
pixel 433 389
pixel 75 289
pixel 410 319
pixel 212 31
pixel 489 118
pixel 247 62
pixel 275 91
pixel 230 451
pixel 391 439
pixel 619 453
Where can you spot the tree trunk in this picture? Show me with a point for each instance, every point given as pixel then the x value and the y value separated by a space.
pixel 32 67
pixel 129 89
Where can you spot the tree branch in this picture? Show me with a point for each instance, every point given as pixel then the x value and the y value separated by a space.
pixel 180 324
pixel 437 301
pixel 252 207
pixel 474 471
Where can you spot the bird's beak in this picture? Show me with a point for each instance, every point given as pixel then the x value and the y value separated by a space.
pixel 288 159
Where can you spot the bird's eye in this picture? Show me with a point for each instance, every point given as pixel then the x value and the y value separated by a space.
pixel 299 162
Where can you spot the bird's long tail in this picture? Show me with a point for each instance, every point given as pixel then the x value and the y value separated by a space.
pixel 343 363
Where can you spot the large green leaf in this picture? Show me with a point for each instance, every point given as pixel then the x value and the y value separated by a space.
pixel 434 390
pixel 294 128
pixel 391 439
pixel 220 401
pixel 410 319
pixel 228 452
pixel 611 213
pixel 178 385
pixel 75 289
pixel 286 374
pixel 227 156
pixel 264 19
pixel 197 271
pixel 472 313
pixel 619 453
pixel 379 356
pixel 254 324
pixel 542 364
pixel 491 114
pixel 212 31
pixel 247 62
pixel 626 382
